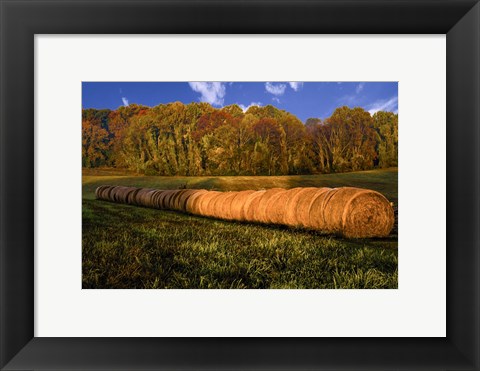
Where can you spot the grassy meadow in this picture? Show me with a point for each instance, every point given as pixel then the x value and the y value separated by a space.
pixel 138 248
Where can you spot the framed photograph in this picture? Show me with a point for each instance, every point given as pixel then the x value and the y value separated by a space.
pixel 263 185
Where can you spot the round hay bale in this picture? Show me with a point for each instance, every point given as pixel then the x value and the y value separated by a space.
pixel 115 193
pixel 161 199
pixel 251 204
pixel 191 205
pixel 174 198
pixel 236 206
pixel 167 200
pixel 149 198
pixel 302 207
pixel 203 204
pixel 99 190
pixel 359 213
pixel 155 198
pixel 108 193
pixel 226 206
pixel 182 199
pixel 276 206
pixel 210 206
pixel 132 195
pixel 126 193
pixel 260 214
pixel 290 214
pixel 215 203
pixel 140 197
pixel 316 218
pixel 219 204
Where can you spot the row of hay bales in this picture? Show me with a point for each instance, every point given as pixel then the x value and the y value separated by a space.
pixel 351 212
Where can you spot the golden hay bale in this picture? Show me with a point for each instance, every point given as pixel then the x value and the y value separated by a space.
pixel 182 200
pixel 276 206
pixel 192 202
pixel 140 198
pixel 132 195
pixel 180 197
pixel 209 207
pixel 167 200
pixel 290 213
pixel 125 193
pixel 149 198
pixel 111 193
pixel 221 203
pixel 103 193
pixel 260 214
pixel 155 198
pixel 302 207
pixel 204 202
pixel 115 193
pixel 99 190
pixel 316 211
pixel 214 205
pixel 251 204
pixel 174 198
pixel 161 199
pixel 357 213
pixel 236 205
pixel 226 205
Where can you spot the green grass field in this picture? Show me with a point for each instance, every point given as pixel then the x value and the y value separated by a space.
pixel 132 247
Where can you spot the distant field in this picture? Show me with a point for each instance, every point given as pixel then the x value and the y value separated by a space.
pixel 132 247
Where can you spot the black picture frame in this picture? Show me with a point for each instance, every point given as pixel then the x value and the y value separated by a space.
pixel 21 20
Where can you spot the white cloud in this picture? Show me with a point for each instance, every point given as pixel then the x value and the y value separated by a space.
pixel 275 89
pixel 388 105
pixel 245 108
pixel 125 101
pixel 275 99
pixel 295 85
pixel 211 92
pixel 359 87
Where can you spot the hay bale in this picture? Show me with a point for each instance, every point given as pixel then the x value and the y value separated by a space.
pixel 260 214
pixel 99 190
pixel 167 200
pixel 182 200
pixel 141 196
pixel 155 198
pixel 316 219
pixel 276 206
pixel 102 192
pixel 290 214
pixel 302 207
pixel 221 204
pixel 115 194
pixel 209 206
pixel 237 203
pixel 192 202
pixel 251 204
pixel 226 206
pixel 357 213
pixel 203 205
pixel 132 195
pixel 125 193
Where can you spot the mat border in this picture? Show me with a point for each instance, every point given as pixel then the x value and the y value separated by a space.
pixel 22 19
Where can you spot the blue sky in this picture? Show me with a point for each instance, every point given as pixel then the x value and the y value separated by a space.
pixel 303 99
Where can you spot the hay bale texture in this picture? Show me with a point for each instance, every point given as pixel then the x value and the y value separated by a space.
pixel 347 211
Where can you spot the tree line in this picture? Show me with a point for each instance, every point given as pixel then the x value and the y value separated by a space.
pixel 198 139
